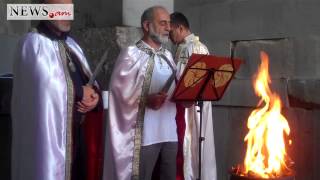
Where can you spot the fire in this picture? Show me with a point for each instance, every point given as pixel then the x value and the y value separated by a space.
pixel 266 153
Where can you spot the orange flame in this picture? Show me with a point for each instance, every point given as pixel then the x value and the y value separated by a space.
pixel 266 153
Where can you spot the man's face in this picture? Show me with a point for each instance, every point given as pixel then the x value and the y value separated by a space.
pixel 176 35
pixel 61 25
pixel 159 28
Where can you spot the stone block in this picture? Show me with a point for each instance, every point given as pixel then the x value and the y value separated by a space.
pixel 257 20
pixel 95 42
pixel 8 48
pixel 132 11
pixel 301 17
pixel 193 14
pixel 288 58
pixel 279 52
pixel 213 18
pixel 13 27
pixel 97 13
pixel 306 52
pixel 240 93
pixel 304 93
pixel 127 36
pixel 218 48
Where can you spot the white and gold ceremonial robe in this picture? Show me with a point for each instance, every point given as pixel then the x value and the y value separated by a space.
pixel 42 109
pixel 191 45
pixel 129 85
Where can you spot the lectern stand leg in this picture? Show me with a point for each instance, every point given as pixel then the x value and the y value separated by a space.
pixel 201 139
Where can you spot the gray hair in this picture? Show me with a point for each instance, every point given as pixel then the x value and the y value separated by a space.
pixel 147 15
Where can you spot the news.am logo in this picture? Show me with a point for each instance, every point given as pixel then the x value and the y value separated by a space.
pixel 40 12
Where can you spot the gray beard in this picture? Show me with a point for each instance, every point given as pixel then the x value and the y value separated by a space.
pixel 157 37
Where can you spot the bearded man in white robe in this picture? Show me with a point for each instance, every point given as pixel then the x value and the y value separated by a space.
pixel 51 139
pixel 142 125
pixel 188 118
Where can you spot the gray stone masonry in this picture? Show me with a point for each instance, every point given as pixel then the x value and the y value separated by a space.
pixel 289 31
pixel 241 93
pixel 8 47
pixel 95 41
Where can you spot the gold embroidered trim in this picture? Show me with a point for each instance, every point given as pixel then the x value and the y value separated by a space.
pixel 140 119
pixel 70 103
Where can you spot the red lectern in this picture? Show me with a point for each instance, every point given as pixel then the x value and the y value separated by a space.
pixel 205 78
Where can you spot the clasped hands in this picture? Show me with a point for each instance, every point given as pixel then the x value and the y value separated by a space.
pixel 89 100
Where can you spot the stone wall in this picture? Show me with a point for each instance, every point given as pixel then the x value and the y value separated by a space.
pixel 231 112
pixel 95 41
pixel 10 32
pixel 288 30
pixel 97 13
pixel 132 10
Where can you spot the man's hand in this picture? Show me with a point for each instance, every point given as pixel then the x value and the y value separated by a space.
pixel 155 101
pixel 89 100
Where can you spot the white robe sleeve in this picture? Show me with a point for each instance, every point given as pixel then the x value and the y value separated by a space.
pixel 125 91
pixel 39 111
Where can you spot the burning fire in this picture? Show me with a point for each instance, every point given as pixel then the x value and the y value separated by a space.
pixel 266 153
